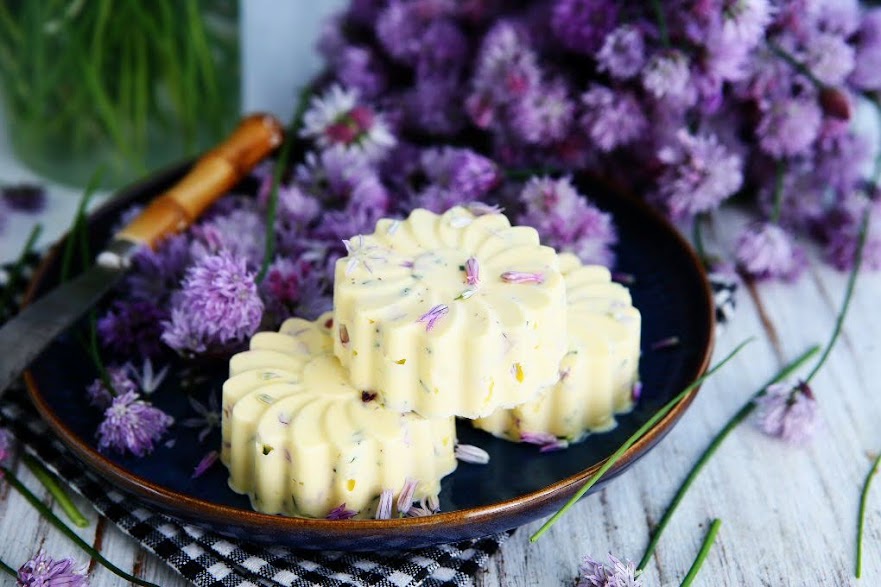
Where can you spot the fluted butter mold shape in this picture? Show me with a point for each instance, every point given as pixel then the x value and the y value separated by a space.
pixel 300 440
pixel 451 314
pixel 597 374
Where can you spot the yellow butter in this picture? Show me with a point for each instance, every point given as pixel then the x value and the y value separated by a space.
pixel 491 345
pixel 597 374
pixel 298 439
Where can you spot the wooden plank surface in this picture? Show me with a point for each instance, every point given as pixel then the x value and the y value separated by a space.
pixel 789 513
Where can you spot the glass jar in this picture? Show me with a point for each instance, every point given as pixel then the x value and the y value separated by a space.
pixel 122 85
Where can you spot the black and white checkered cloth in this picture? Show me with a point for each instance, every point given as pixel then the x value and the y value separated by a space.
pixel 210 560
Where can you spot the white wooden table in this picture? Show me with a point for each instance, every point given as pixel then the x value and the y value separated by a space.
pixel 789 514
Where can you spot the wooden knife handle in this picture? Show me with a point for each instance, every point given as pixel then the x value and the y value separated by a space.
pixel 214 173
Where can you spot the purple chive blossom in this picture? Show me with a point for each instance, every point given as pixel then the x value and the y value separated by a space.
pixel 208 417
pixel 433 315
pixel 341 512
pixel 745 21
pixel 472 271
pixel 789 127
pixel 101 397
pixel 866 74
pixel 666 77
pixel 767 251
pixel 337 118
pixel 384 507
pixel 566 221
pixel 402 26
pixel 582 25
pixel 24 197
pixel 461 170
pixel 405 498
pixel 6 445
pixel 468 453
pixel 358 68
pixel 544 116
pixel 523 277
pixel 206 463
pixel 788 412
pixel 506 70
pixel 132 327
pixel 217 305
pixel 155 273
pixel 132 425
pixel 842 233
pixel 593 573
pixel 239 232
pixel 433 105
pixel 43 571
pixel 623 52
pixel 444 49
pixel 611 119
pixel 829 58
pixel 699 174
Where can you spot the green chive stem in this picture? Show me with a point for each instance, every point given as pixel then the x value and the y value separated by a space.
pixel 8 570
pixel 62 527
pixel 280 166
pixel 796 64
pixel 663 31
pixel 610 462
pixel 18 268
pixel 861 516
pixel 778 192
pixel 702 554
pixel 738 417
pixel 61 497
pixel 848 295
pixel 78 223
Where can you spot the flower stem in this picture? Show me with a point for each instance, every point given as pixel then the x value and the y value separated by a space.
pixel 848 295
pixel 796 64
pixel 861 516
pixel 18 268
pixel 281 164
pixel 663 31
pixel 62 527
pixel 8 570
pixel 702 554
pixel 61 498
pixel 778 192
pixel 739 417
pixel 78 225
pixel 698 238
pixel 633 439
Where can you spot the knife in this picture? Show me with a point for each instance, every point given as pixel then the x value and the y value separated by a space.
pixel 218 170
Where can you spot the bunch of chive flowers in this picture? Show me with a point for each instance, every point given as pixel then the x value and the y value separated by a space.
pixel 691 103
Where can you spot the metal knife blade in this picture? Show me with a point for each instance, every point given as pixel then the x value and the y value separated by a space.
pixel 218 170
pixel 26 335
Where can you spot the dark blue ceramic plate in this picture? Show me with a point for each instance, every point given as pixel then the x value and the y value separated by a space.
pixel 519 484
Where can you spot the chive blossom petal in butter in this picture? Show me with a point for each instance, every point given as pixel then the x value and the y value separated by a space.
pixel 472 271
pixel 341 512
pixel 468 453
pixel 523 277
pixel 405 498
pixel 433 315
pixel 384 508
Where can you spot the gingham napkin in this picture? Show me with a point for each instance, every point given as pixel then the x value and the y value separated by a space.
pixel 210 560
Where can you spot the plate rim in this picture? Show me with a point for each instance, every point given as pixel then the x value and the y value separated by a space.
pixel 192 507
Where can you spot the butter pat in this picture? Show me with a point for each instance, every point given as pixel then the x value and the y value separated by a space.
pixel 451 314
pixel 300 440
pixel 597 374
